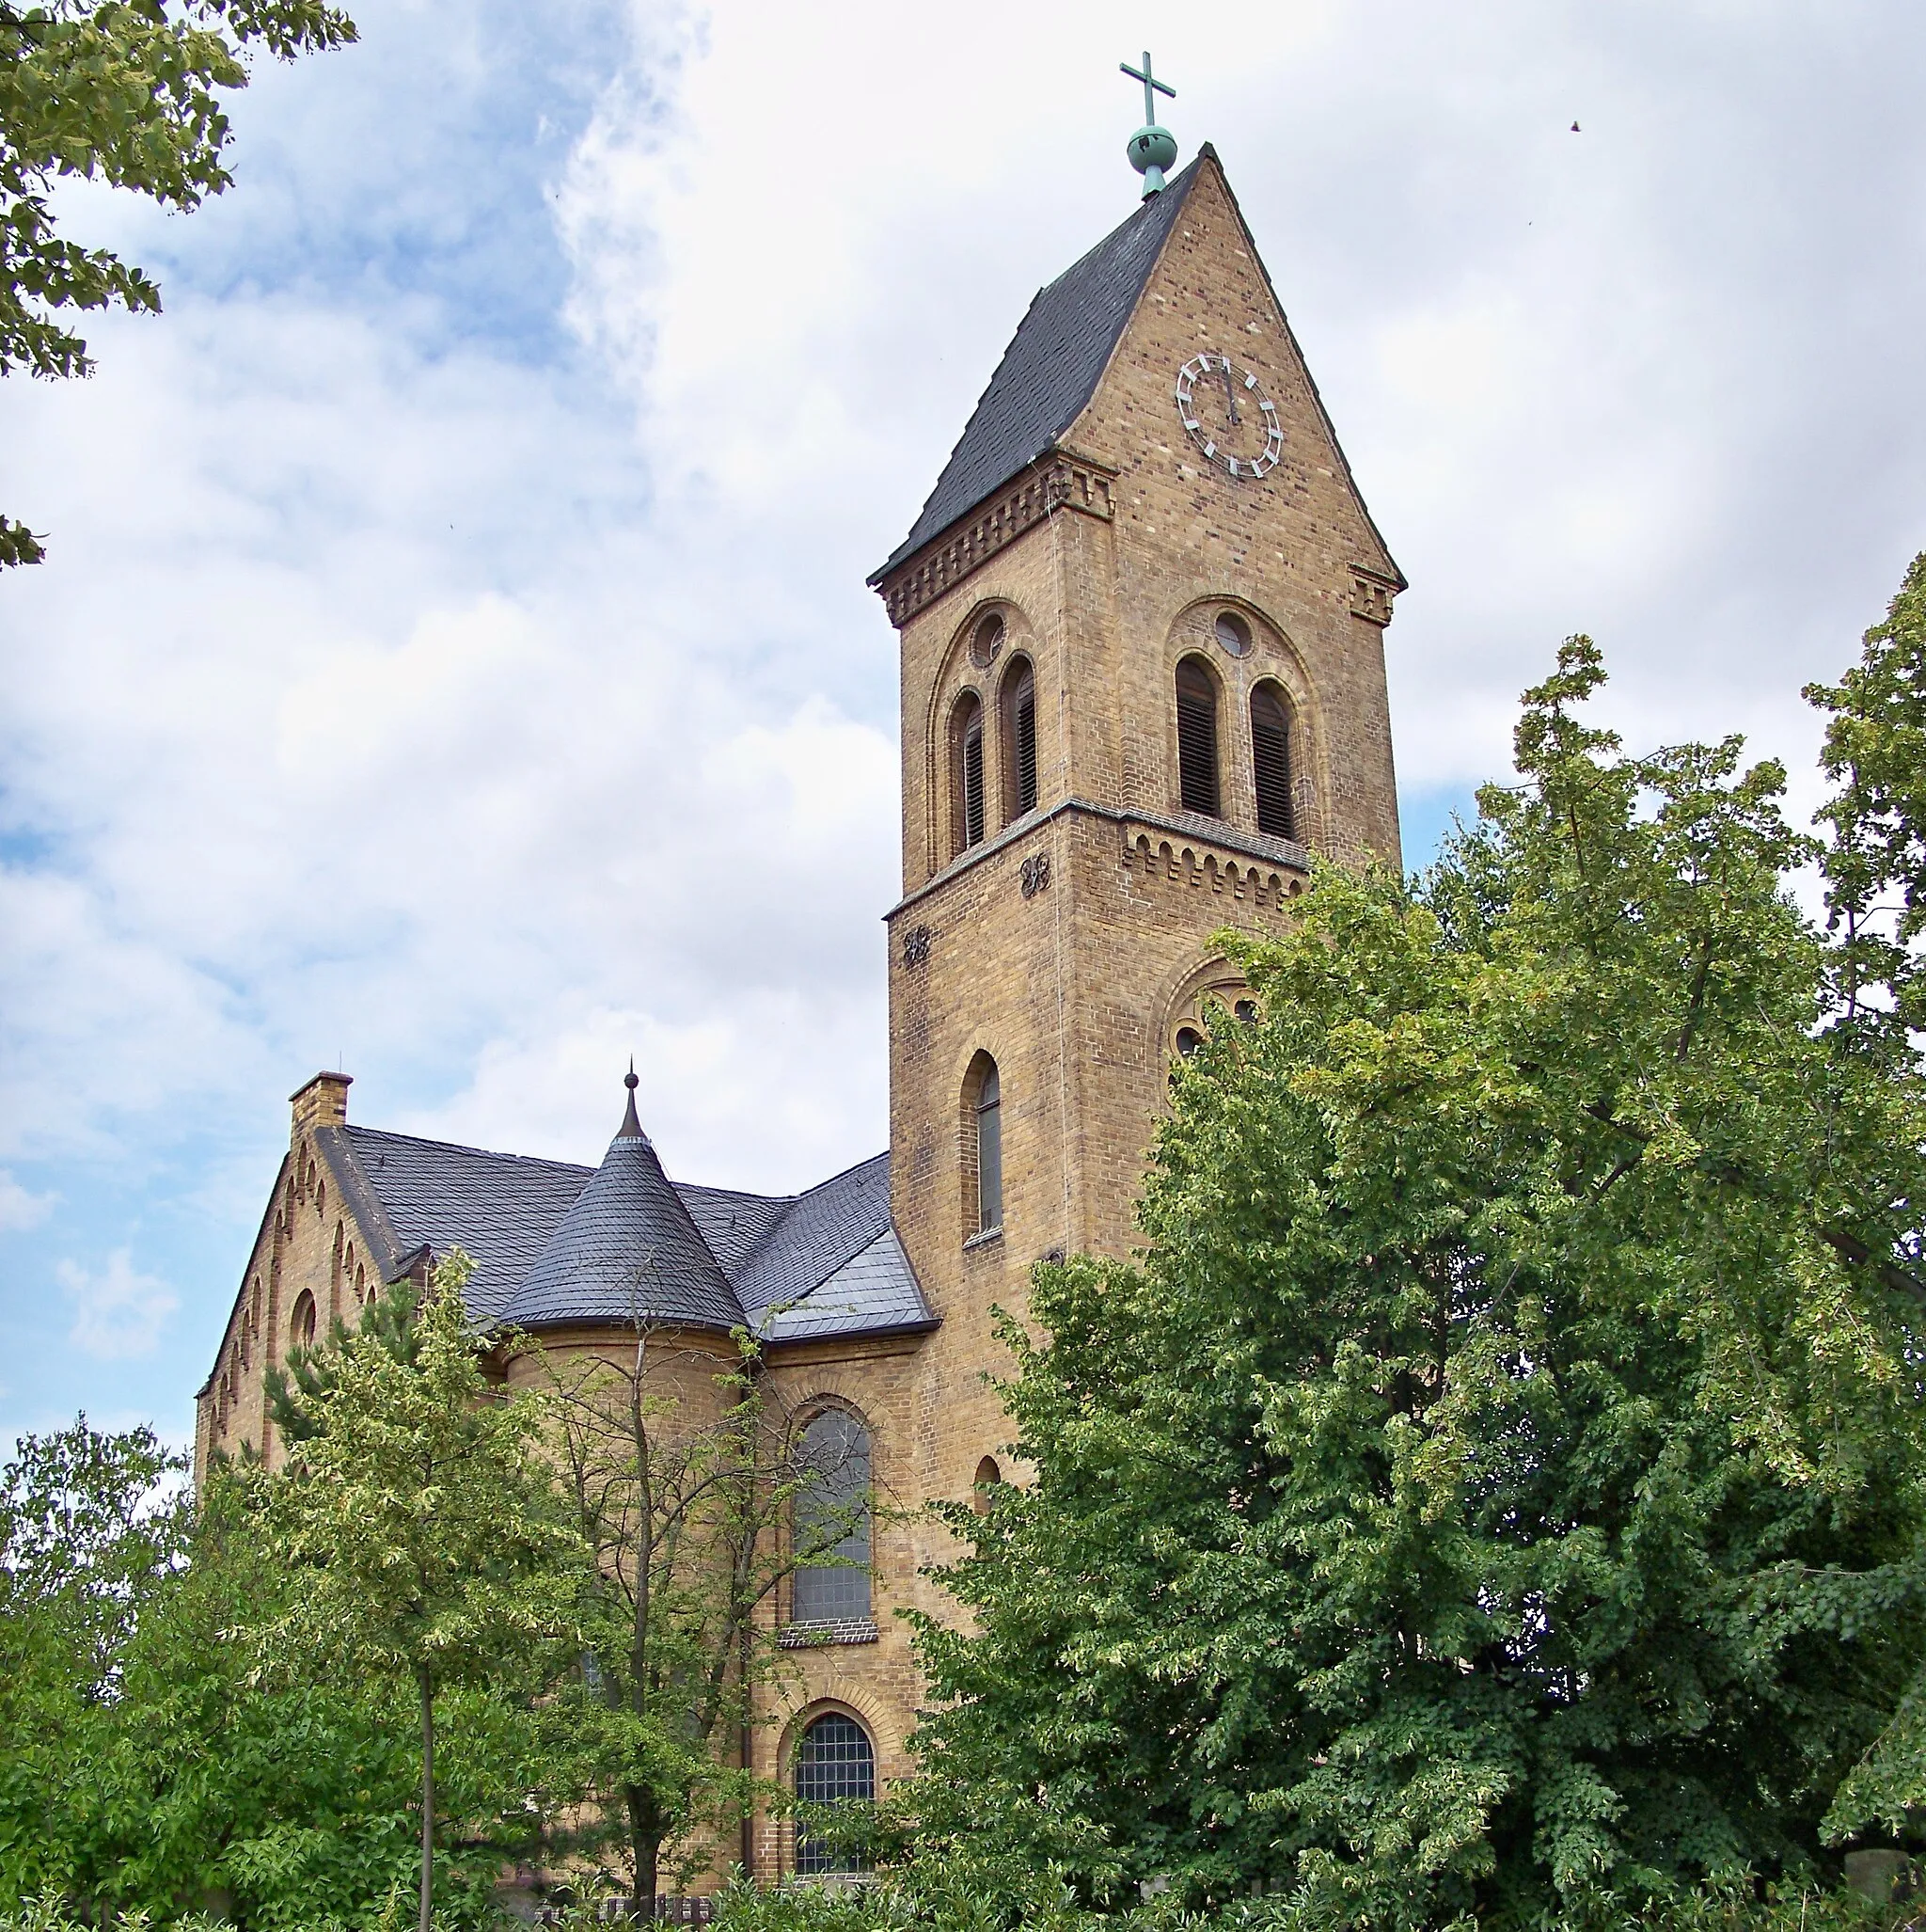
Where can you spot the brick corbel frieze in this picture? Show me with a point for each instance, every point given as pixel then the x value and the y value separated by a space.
pixel 1058 480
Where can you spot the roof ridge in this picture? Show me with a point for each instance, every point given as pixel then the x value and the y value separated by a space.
pixel 460 1147
pixel 868 1161
pixel 1146 206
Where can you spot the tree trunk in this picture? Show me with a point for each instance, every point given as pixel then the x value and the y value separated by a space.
pixel 427 1684
pixel 645 1844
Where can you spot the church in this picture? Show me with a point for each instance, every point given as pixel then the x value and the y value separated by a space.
pixel 1140 623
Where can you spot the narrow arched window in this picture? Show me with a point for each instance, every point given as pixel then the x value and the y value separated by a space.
pixel 965 775
pixel 835 1764
pixel 1270 760
pixel 988 1107
pixel 1019 739
pixel 988 1477
pixel 1198 738
pixel 830 1520
pixel 301 1323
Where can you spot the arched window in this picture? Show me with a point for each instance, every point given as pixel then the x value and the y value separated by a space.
pixel 966 773
pixel 1019 738
pixel 1189 1041
pixel 834 1763
pixel 831 1520
pixel 984 1094
pixel 1271 759
pixel 1198 738
pixel 301 1323
pixel 988 1477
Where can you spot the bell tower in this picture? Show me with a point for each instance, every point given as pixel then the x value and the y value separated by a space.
pixel 1141 624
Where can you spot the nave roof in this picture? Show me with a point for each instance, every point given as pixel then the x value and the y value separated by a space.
pixel 554 1243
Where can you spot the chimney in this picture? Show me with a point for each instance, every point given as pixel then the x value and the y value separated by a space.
pixel 322 1102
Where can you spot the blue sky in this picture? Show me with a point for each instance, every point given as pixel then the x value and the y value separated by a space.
pixel 453 657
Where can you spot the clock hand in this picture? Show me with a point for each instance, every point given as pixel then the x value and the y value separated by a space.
pixel 1230 395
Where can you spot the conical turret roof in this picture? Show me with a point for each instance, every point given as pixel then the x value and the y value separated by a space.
pixel 627 1250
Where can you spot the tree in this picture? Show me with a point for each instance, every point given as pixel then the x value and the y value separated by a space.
pixel 1875 865
pixel 127 92
pixel 417 1519
pixel 687 1481
pixel 143 1771
pixel 1496 1489
pixel 89 1537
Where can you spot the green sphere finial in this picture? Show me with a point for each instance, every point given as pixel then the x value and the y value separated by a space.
pixel 1151 148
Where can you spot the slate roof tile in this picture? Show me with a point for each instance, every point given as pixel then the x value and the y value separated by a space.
pixel 625 1250
pixel 501 1208
pixel 1052 368
pixel 718 1256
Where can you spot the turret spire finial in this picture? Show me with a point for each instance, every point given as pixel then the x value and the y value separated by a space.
pixel 631 1128
pixel 1151 148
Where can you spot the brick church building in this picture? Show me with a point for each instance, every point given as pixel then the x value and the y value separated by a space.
pixel 1141 622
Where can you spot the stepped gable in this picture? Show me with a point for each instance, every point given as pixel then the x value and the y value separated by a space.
pixel 1052 368
pixel 627 1249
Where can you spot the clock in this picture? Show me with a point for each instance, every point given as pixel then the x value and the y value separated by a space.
pixel 1228 417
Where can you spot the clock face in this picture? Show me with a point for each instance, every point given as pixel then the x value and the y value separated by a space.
pixel 1228 417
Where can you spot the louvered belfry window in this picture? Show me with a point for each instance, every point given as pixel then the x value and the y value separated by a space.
pixel 1020 735
pixel 1270 760
pixel 1197 738
pixel 967 787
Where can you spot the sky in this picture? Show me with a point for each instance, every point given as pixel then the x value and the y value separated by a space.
pixel 453 663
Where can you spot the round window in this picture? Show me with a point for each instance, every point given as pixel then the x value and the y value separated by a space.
pixel 1233 633
pixel 987 643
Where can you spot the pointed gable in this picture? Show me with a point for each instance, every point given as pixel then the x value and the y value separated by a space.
pixel 1052 368
pixel 1206 289
pixel 627 1251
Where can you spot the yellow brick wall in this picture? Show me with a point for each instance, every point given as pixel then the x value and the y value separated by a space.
pixel 1075 989
pixel 1076 984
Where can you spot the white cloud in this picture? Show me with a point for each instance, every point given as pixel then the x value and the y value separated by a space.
pixel 454 655
pixel 19 1207
pixel 118 1312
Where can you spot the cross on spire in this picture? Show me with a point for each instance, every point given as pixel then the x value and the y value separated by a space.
pixel 1151 148
pixel 1152 86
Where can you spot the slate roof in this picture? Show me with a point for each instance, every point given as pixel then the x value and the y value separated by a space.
pixel 556 1242
pixel 626 1247
pixel 499 1207
pixel 1052 368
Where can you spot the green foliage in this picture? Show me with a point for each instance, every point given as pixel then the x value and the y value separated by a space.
pixel 683 1475
pixel 1875 868
pixel 416 1527
pixel 126 92
pixel 145 1768
pixel 1496 1490
pixel 946 1894
pixel 297 1393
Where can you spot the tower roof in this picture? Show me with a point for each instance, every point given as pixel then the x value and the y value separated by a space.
pixel 627 1250
pixel 1052 368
